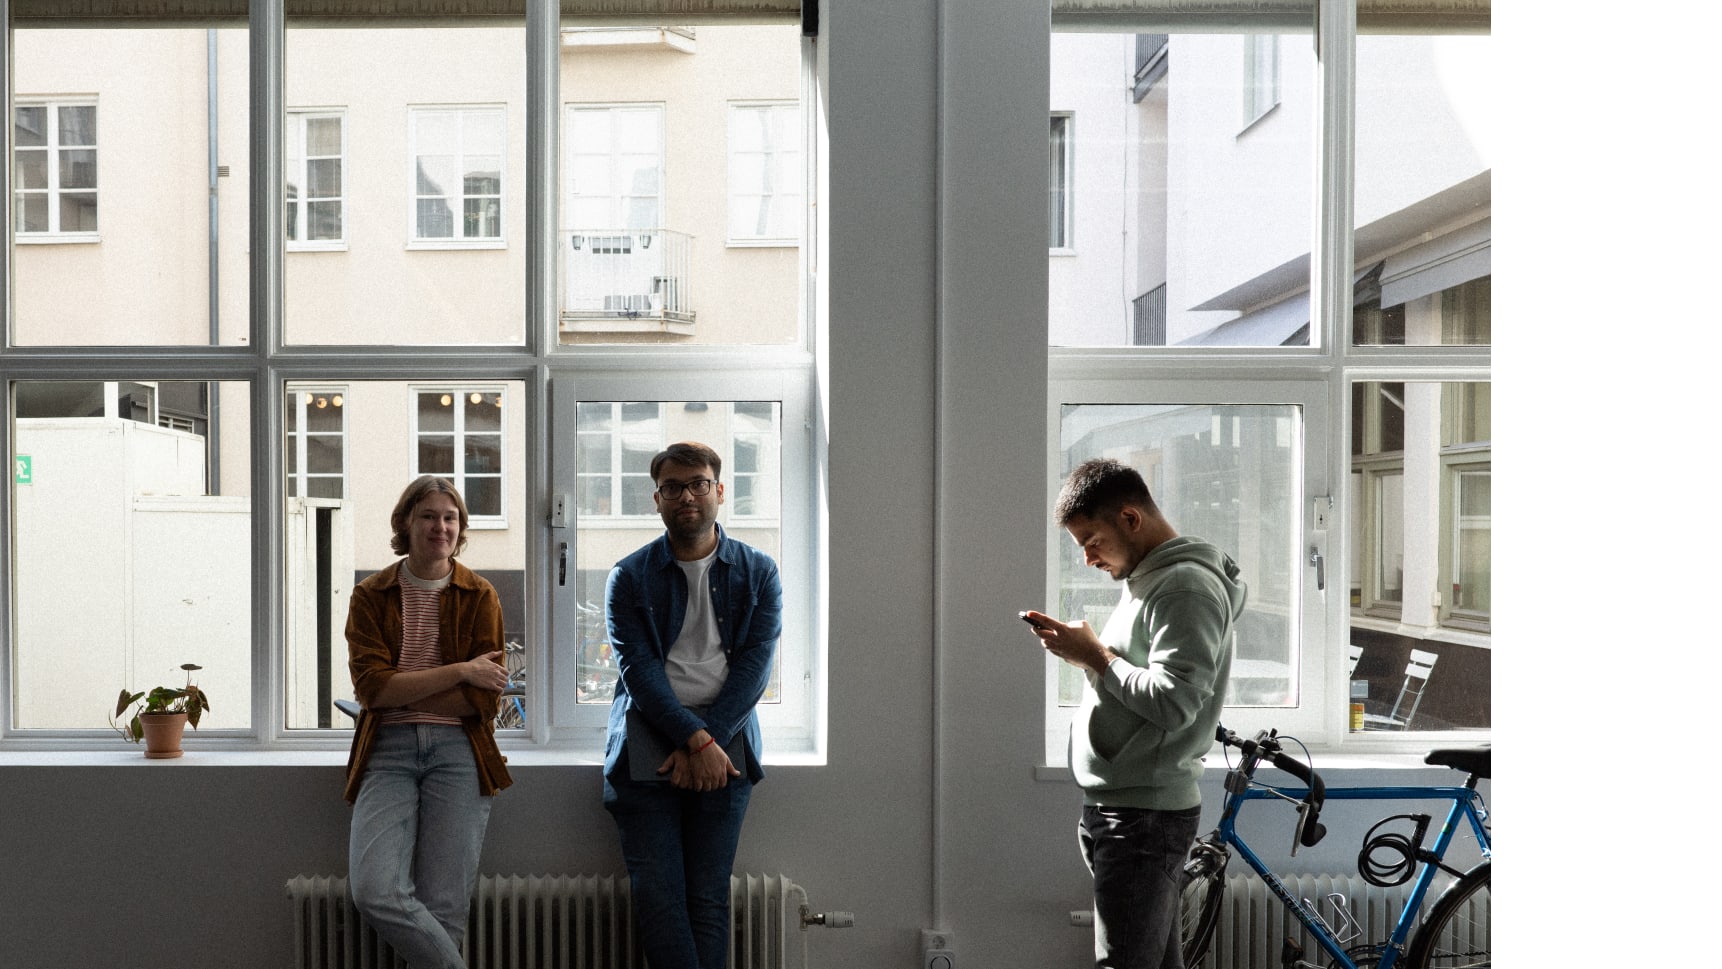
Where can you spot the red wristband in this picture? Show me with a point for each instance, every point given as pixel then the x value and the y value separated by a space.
pixel 701 748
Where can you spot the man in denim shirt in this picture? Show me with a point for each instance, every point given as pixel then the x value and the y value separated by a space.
pixel 694 618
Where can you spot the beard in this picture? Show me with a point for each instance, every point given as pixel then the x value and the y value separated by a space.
pixel 690 529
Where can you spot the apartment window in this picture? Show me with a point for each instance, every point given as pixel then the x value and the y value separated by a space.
pixel 458 435
pixel 617 440
pixel 1421 528
pixel 1058 184
pixel 54 159
pixel 316 184
pixel 316 441
pixel 1261 76
pixel 765 174
pixel 615 161
pixel 753 472
pixel 457 173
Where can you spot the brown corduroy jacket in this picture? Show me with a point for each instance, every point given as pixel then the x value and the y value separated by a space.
pixel 470 626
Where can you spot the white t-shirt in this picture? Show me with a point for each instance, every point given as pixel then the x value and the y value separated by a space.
pixel 696 665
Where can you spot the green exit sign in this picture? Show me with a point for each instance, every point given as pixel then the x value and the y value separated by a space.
pixel 21 469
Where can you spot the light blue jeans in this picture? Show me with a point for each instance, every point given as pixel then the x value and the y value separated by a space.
pixel 418 829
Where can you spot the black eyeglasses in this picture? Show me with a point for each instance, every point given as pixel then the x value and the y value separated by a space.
pixel 699 488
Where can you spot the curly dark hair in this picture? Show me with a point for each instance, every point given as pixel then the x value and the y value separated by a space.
pixel 1098 488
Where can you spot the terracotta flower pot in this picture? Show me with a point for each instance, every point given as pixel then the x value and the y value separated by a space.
pixel 162 733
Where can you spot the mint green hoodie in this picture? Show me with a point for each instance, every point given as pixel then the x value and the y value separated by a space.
pixel 1139 736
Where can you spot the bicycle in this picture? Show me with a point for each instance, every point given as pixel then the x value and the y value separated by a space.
pixel 1449 938
pixel 512 712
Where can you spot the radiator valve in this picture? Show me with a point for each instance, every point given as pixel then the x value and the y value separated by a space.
pixel 831 920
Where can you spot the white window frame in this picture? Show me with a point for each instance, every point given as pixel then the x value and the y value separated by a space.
pixel 1261 77
pixel 299 436
pixel 457 196
pixel 51 149
pixel 298 164
pixel 794 726
pixel 574 147
pixel 1310 717
pixel 1455 464
pixel 788 195
pixel 734 474
pixel 458 390
pixel 1061 184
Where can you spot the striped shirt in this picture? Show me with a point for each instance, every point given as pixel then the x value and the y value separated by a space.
pixel 421 625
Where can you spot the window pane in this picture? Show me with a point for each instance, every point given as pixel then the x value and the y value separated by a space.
pixel 682 210
pixel 1423 199
pixel 1229 474
pixel 413 181
pixel 29 125
pixel 92 461
pixel 1421 529
pixel 337 536
pixel 1172 226
pixel 604 537
pixel 126 188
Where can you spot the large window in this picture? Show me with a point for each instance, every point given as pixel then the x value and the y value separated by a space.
pixel 1191 240
pixel 54 159
pixel 388 354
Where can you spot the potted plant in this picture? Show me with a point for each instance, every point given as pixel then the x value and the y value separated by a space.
pixel 161 722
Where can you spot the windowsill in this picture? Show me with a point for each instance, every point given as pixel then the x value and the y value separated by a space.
pixel 1328 764
pixel 454 245
pixel 56 238
pixel 533 756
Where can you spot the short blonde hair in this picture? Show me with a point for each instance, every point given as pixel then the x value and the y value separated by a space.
pixel 423 487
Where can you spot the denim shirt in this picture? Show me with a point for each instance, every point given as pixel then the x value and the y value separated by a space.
pixel 646 601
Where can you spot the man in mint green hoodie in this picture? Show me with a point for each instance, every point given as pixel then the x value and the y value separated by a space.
pixel 1156 680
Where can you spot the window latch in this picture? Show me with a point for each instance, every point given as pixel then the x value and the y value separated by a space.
pixel 1315 559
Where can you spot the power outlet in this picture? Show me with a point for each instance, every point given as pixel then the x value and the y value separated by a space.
pixel 938 950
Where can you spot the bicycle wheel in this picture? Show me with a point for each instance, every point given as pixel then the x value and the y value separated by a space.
pixel 1456 933
pixel 1204 891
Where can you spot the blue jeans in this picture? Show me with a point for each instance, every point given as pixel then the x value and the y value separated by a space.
pixel 680 848
pixel 418 829
pixel 1136 856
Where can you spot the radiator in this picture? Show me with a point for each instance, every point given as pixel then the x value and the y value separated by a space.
pixel 1253 923
pixel 548 922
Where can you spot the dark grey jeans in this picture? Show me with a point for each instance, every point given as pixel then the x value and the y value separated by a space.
pixel 1135 856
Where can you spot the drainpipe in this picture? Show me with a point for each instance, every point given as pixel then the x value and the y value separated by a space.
pixel 213 436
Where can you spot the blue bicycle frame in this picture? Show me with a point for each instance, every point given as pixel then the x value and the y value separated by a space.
pixel 1467 805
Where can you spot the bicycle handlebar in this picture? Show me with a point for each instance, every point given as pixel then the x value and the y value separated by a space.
pixel 1266 746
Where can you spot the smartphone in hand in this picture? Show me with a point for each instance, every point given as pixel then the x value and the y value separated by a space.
pixel 1025 617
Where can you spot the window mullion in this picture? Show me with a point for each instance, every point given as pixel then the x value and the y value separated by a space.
pixel 267 45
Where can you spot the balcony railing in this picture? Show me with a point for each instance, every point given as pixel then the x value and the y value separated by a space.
pixel 630 280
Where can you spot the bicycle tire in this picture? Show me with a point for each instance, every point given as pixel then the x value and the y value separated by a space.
pixel 1204 891
pixel 510 716
pixel 1456 933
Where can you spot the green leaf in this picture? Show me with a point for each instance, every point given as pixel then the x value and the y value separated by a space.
pixel 134 730
pixel 127 698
